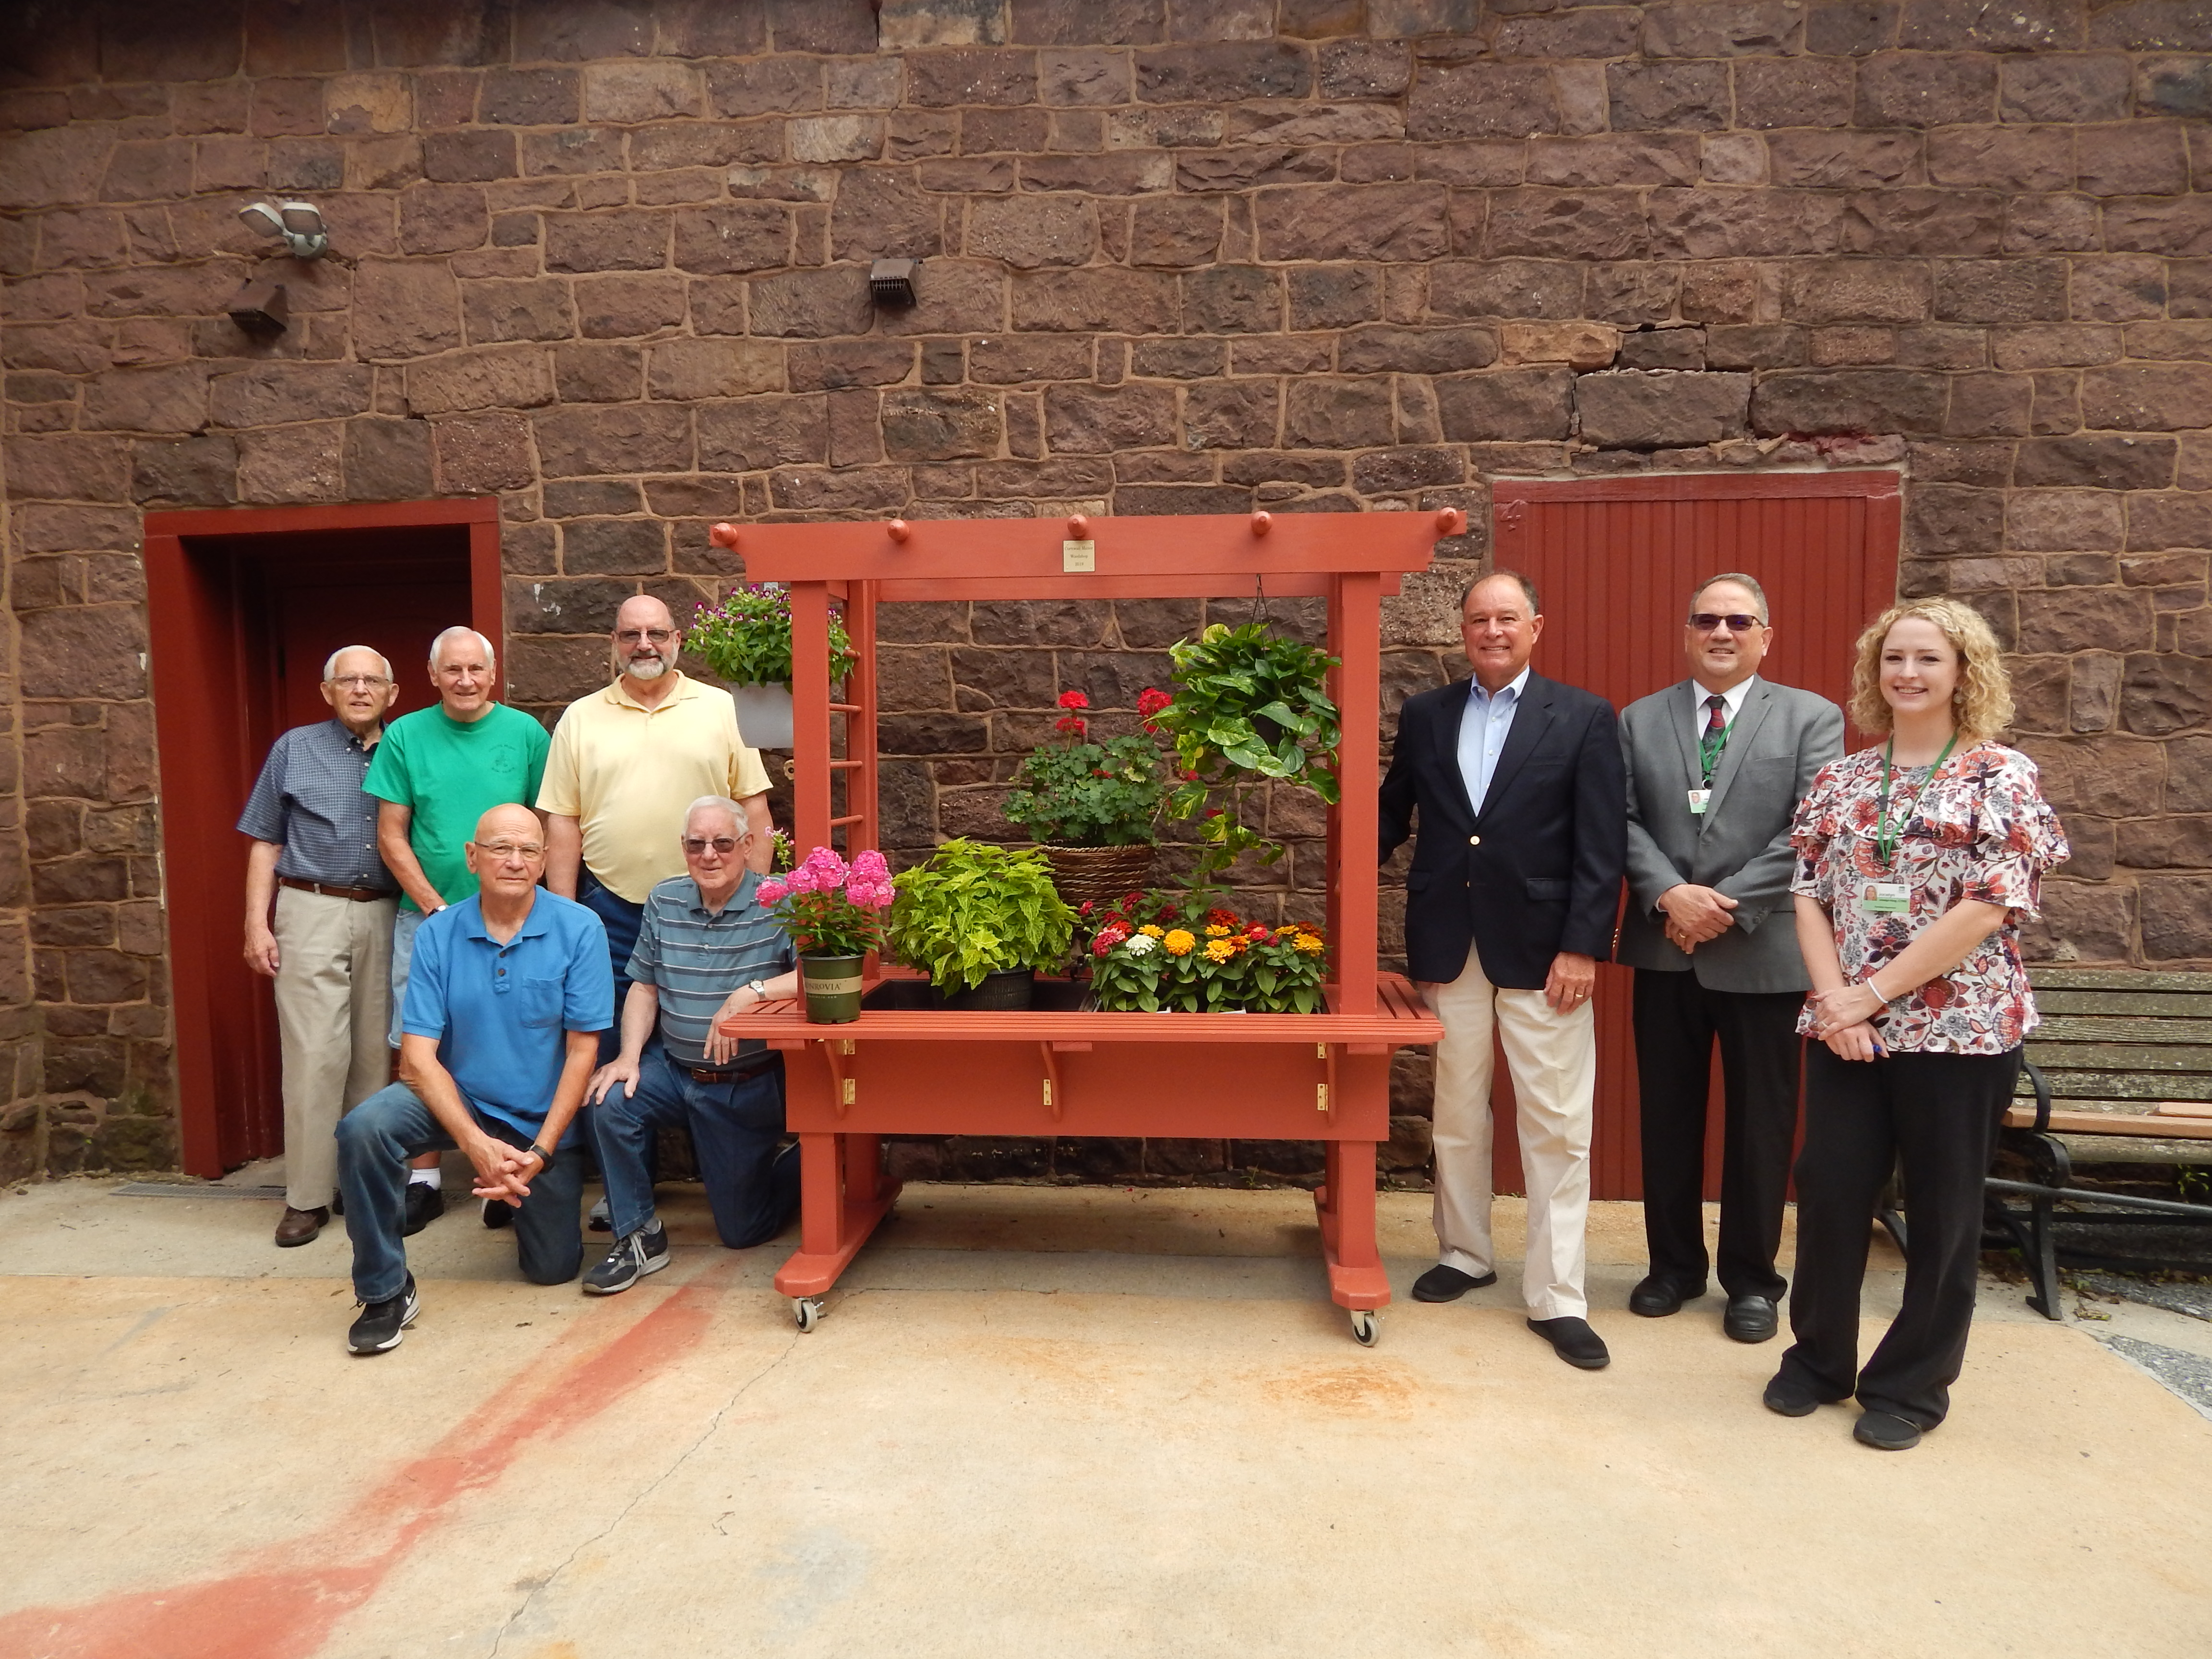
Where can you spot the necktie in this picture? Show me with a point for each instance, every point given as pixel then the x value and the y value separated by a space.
pixel 1715 736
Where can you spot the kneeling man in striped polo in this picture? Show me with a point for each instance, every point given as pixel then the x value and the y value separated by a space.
pixel 705 948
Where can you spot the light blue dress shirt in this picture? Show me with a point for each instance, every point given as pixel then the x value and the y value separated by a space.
pixel 1483 731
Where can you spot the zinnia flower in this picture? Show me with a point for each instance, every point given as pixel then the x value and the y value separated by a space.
pixel 1143 945
pixel 1178 943
pixel 1151 930
pixel 1310 944
pixel 1215 930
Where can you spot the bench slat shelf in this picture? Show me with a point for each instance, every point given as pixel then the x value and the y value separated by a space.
pixel 2113 1073
pixel 1053 1072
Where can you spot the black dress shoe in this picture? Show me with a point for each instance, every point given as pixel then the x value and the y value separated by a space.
pixel 425 1204
pixel 1750 1318
pixel 1886 1431
pixel 1442 1284
pixel 1659 1295
pixel 1574 1341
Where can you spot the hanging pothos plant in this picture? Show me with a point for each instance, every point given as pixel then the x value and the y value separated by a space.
pixel 1251 708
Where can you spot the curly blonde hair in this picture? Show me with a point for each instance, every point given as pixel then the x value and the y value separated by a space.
pixel 1982 705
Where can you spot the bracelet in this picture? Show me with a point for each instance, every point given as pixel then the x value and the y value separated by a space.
pixel 544 1157
pixel 1869 982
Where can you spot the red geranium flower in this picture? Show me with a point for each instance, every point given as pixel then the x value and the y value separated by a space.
pixel 1073 699
pixel 1074 723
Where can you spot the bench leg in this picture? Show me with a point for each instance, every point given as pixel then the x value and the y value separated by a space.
pixel 2042 1253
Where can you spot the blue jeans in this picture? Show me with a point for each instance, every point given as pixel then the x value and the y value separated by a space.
pixel 375 1140
pixel 734 1129
pixel 404 924
pixel 620 919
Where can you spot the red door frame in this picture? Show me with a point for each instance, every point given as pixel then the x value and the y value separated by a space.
pixel 1850 575
pixel 196 707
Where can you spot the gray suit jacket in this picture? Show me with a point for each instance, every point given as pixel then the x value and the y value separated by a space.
pixel 1741 847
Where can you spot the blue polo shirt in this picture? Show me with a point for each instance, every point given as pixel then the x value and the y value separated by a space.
pixel 500 1011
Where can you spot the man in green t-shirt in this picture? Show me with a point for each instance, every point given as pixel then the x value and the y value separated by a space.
pixel 437 771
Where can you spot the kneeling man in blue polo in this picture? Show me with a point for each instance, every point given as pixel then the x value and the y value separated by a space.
pixel 507 995
pixel 705 948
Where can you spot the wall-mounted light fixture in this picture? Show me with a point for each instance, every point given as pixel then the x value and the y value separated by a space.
pixel 299 225
pixel 890 281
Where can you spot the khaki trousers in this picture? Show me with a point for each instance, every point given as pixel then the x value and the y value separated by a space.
pixel 333 997
pixel 1552 1058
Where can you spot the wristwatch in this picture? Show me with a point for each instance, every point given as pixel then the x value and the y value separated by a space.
pixel 544 1157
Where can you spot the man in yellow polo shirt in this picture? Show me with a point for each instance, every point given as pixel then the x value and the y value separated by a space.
pixel 626 764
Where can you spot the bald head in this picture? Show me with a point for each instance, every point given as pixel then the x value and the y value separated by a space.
pixel 646 640
pixel 508 822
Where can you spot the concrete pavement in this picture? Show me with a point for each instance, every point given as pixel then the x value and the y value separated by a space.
pixel 1037 1421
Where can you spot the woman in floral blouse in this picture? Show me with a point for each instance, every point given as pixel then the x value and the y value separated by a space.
pixel 1915 860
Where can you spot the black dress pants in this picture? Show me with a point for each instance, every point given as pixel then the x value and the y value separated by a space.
pixel 1940 1114
pixel 1677 1022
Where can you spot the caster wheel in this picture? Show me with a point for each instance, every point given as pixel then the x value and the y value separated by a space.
pixel 807 1310
pixel 1366 1329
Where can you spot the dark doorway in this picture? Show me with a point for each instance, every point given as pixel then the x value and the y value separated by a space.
pixel 246 606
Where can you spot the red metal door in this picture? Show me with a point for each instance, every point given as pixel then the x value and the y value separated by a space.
pixel 244 606
pixel 1615 561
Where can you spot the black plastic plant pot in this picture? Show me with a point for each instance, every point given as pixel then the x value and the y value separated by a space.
pixel 1016 988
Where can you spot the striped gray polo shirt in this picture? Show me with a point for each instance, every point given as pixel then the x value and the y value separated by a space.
pixel 695 960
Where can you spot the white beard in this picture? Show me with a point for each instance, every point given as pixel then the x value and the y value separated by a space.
pixel 646 668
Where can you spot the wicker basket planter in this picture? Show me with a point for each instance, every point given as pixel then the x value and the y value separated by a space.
pixel 1102 874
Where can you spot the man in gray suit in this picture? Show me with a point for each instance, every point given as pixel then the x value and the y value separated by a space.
pixel 1716 765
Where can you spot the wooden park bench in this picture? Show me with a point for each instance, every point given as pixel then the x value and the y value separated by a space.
pixel 2119 1071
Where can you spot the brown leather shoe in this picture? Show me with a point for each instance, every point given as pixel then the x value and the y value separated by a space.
pixel 299 1226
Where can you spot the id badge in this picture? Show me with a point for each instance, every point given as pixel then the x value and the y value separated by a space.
pixel 1700 799
pixel 1885 898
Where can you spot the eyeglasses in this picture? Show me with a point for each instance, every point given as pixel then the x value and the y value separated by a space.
pixel 359 681
pixel 525 850
pixel 1704 622
pixel 724 845
pixel 632 635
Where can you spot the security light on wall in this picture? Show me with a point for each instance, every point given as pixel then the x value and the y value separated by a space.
pixel 299 225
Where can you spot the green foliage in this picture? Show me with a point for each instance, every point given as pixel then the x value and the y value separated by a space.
pixel 1250 708
pixel 747 638
pixel 974 909
pixel 1248 700
pixel 1090 794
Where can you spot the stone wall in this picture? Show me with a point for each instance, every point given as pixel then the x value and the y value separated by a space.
pixel 605 260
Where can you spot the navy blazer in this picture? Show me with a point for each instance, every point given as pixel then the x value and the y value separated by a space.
pixel 1537 870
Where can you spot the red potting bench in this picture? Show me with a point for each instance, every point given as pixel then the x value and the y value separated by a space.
pixel 1250 1077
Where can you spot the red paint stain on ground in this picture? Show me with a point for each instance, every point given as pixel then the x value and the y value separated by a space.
pixel 284 1603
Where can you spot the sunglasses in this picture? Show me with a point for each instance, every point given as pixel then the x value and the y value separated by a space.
pixel 724 845
pixel 1705 621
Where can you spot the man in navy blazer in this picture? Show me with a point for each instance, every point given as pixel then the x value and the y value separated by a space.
pixel 1516 782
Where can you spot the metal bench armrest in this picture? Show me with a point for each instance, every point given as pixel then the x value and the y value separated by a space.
pixel 2042 1097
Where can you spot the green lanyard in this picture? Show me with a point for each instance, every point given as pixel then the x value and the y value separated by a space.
pixel 1885 832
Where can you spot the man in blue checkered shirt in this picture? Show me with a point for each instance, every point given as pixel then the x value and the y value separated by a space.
pixel 705 948
pixel 329 944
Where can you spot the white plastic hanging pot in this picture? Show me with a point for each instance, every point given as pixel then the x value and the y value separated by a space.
pixel 763 716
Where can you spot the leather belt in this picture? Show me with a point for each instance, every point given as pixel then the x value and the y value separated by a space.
pixel 733 1074
pixel 358 895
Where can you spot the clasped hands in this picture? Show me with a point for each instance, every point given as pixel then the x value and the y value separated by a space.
pixel 503 1172
pixel 1841 1019
pixel 1695 913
